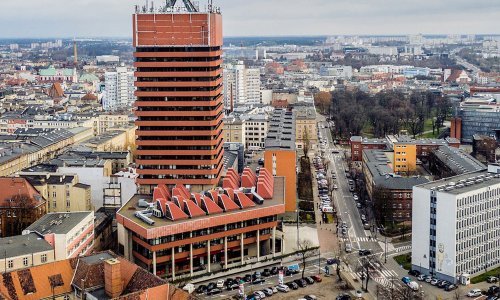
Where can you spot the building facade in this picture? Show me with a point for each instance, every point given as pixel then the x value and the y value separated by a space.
pixel 241 85
pixel 179 97
pixel 119 87
pixel 456 226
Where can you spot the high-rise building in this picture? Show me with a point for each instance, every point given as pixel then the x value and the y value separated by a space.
pixel 179 96
pixel 119 89
pixel 241 85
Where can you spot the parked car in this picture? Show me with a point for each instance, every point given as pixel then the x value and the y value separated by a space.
pixel 274 289
pixel 260 294
pixel 358 205
pixel 274 270
pixel 414 273
pixel 428 278
pixel 220 283
pixel 266 273
pixel 406 279
pixel 442 284
pixel 268 292
pixel 491 279
pixel 348 248
pixel 343 297
pixel 366 226
pixel 364 252
pixel 247 278
pixel 258 281
pixel 283 288
pixel 474 293
pixel 309 280
pixel 292 285
pixel 335 187
pixel 211 286
pixel 300 282
pixel 450 287
pixel 493 290
pixel 421 277
pixel 232 286
pixel 214 291
pixel 356 198
pixel 201 289
pixel 310 297
pixel 434 282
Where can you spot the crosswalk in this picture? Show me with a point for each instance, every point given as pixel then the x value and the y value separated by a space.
pixel 382 277
pixel 402 249
pixel 359 239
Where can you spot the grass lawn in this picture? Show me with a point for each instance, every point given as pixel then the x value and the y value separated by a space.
pixel 404 260
pixel 482 277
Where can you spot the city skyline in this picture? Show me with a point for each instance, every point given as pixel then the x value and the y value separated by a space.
pixel 92 18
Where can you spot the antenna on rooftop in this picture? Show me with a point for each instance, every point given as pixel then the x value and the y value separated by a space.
pixel 187 3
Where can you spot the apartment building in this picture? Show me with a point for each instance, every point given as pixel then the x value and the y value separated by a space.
pixel 64 193
pixel 23 251
pixel 119 88
pixel 241 85
pixel 448 161
pixel 179 97
pixel 305 127
pixel 234 130
pixel 456 225
pixel 358 144
pixel 70 233
pixel 256 128
pixel 20 205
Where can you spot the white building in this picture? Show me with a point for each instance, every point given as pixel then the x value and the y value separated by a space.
pixel 241 85
pixel 456 225
pixel 71 233
pixel 119 89
pixel 255 128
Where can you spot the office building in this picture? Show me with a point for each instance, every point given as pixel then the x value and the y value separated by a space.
pixel 482 120
pixel 179 96
pixel 456 225
pixel 177 232
pixel 119 88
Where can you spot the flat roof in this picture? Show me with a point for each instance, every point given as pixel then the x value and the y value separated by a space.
pixel 463 183
pixel 457 160
pixel 57 223
pixel 23 245
pixel 131 207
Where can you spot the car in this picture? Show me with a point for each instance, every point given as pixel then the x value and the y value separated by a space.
pixel 434 282
pixel 256 275
pixel 309 280
pixel 211 286
pixel 247 278
pixel 358 205
pixel 421 277
pixel 331 261
pixel 261 161
pixel 364 252
pixel 258 281
pixel 274 270
pixel 492 290
pixel 220 283
pixel 214 292
pixel 351 188
pixel 267 292
pixel 344 231
pixel 406 279
pixel 260 294
pixel 491 298
pixel 491 279
pixel 428 278
pixel 355 197
pixel 366 226
pixel 292 285
pixel 450 287
pixel 201 289
pixel 414 273
pixel 351 182
pixel 442 284
pixel 344 224
pixel 363 218
pixel 300 282
pixel 348 248
pixel 232 286
pixel 266 273
pixel 287 272
pixel 274 289
pixel 317 278
pixel 335 187
pixel 283 288
pixel 343 297
pixel 310 297
pixel 474 293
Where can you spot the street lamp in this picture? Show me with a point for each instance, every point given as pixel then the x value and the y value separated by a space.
pixel 297 220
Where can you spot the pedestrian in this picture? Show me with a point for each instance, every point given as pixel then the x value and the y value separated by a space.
pixel 319 222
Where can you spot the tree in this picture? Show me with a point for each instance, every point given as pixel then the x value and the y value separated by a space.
pixel 382 204
pixel 305 251
pixel 306 142
pixel 323 100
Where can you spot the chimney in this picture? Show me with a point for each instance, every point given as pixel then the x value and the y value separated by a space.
pixel 112 278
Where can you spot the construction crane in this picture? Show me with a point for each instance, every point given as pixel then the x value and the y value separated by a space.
pixel 187 3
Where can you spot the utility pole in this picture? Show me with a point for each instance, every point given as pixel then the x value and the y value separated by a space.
pixel 385 241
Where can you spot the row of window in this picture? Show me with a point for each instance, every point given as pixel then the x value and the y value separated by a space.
pixel 26 261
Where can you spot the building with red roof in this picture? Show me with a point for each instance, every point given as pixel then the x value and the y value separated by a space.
pixel 176 232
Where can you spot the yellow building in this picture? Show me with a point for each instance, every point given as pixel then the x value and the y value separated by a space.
pixel 305 128
pixel 405 157
pixel 234 131
pixel 63 192
pixel 116 139
pixel 107 122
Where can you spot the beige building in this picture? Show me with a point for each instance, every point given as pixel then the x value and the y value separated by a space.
pixel 305 127
pixel 23 251
pixel 63 192
pixel 107 122
pixel 234 130
pixel 116 139
pixel 256 127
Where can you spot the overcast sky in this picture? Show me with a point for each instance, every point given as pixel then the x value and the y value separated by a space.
pixel 96 18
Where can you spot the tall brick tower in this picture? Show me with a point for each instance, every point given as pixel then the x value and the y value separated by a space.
pixel 179 105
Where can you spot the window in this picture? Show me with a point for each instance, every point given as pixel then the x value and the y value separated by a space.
pixel 25 261
pixel 44 258
pixel 10 264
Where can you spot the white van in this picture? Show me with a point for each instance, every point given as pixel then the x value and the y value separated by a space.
pixel 327 209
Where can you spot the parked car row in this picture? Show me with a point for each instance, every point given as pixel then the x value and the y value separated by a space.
pixel 442 284
pixel 286 287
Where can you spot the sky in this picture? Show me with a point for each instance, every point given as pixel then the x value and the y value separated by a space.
pixel 112 18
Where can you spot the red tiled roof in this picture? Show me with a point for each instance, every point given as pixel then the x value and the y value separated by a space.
pixel 197 198
pixel 229 192
pixel 193 210
pixel 11 188
pixel 227 203
pixel 184 190
pixel 161 191
pixel 209 206
pixel 242 200
pixel 163 205
pixel 174 213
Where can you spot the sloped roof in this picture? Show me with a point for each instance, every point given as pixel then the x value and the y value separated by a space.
pixel 193 210
pixel 209 206
pixel 173 212
pixel 227 203
pixel 14 187
pixel 242 200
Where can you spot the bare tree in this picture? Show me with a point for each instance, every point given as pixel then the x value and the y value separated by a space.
pixel 306 142
pixel 323 100
pixel 305 250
